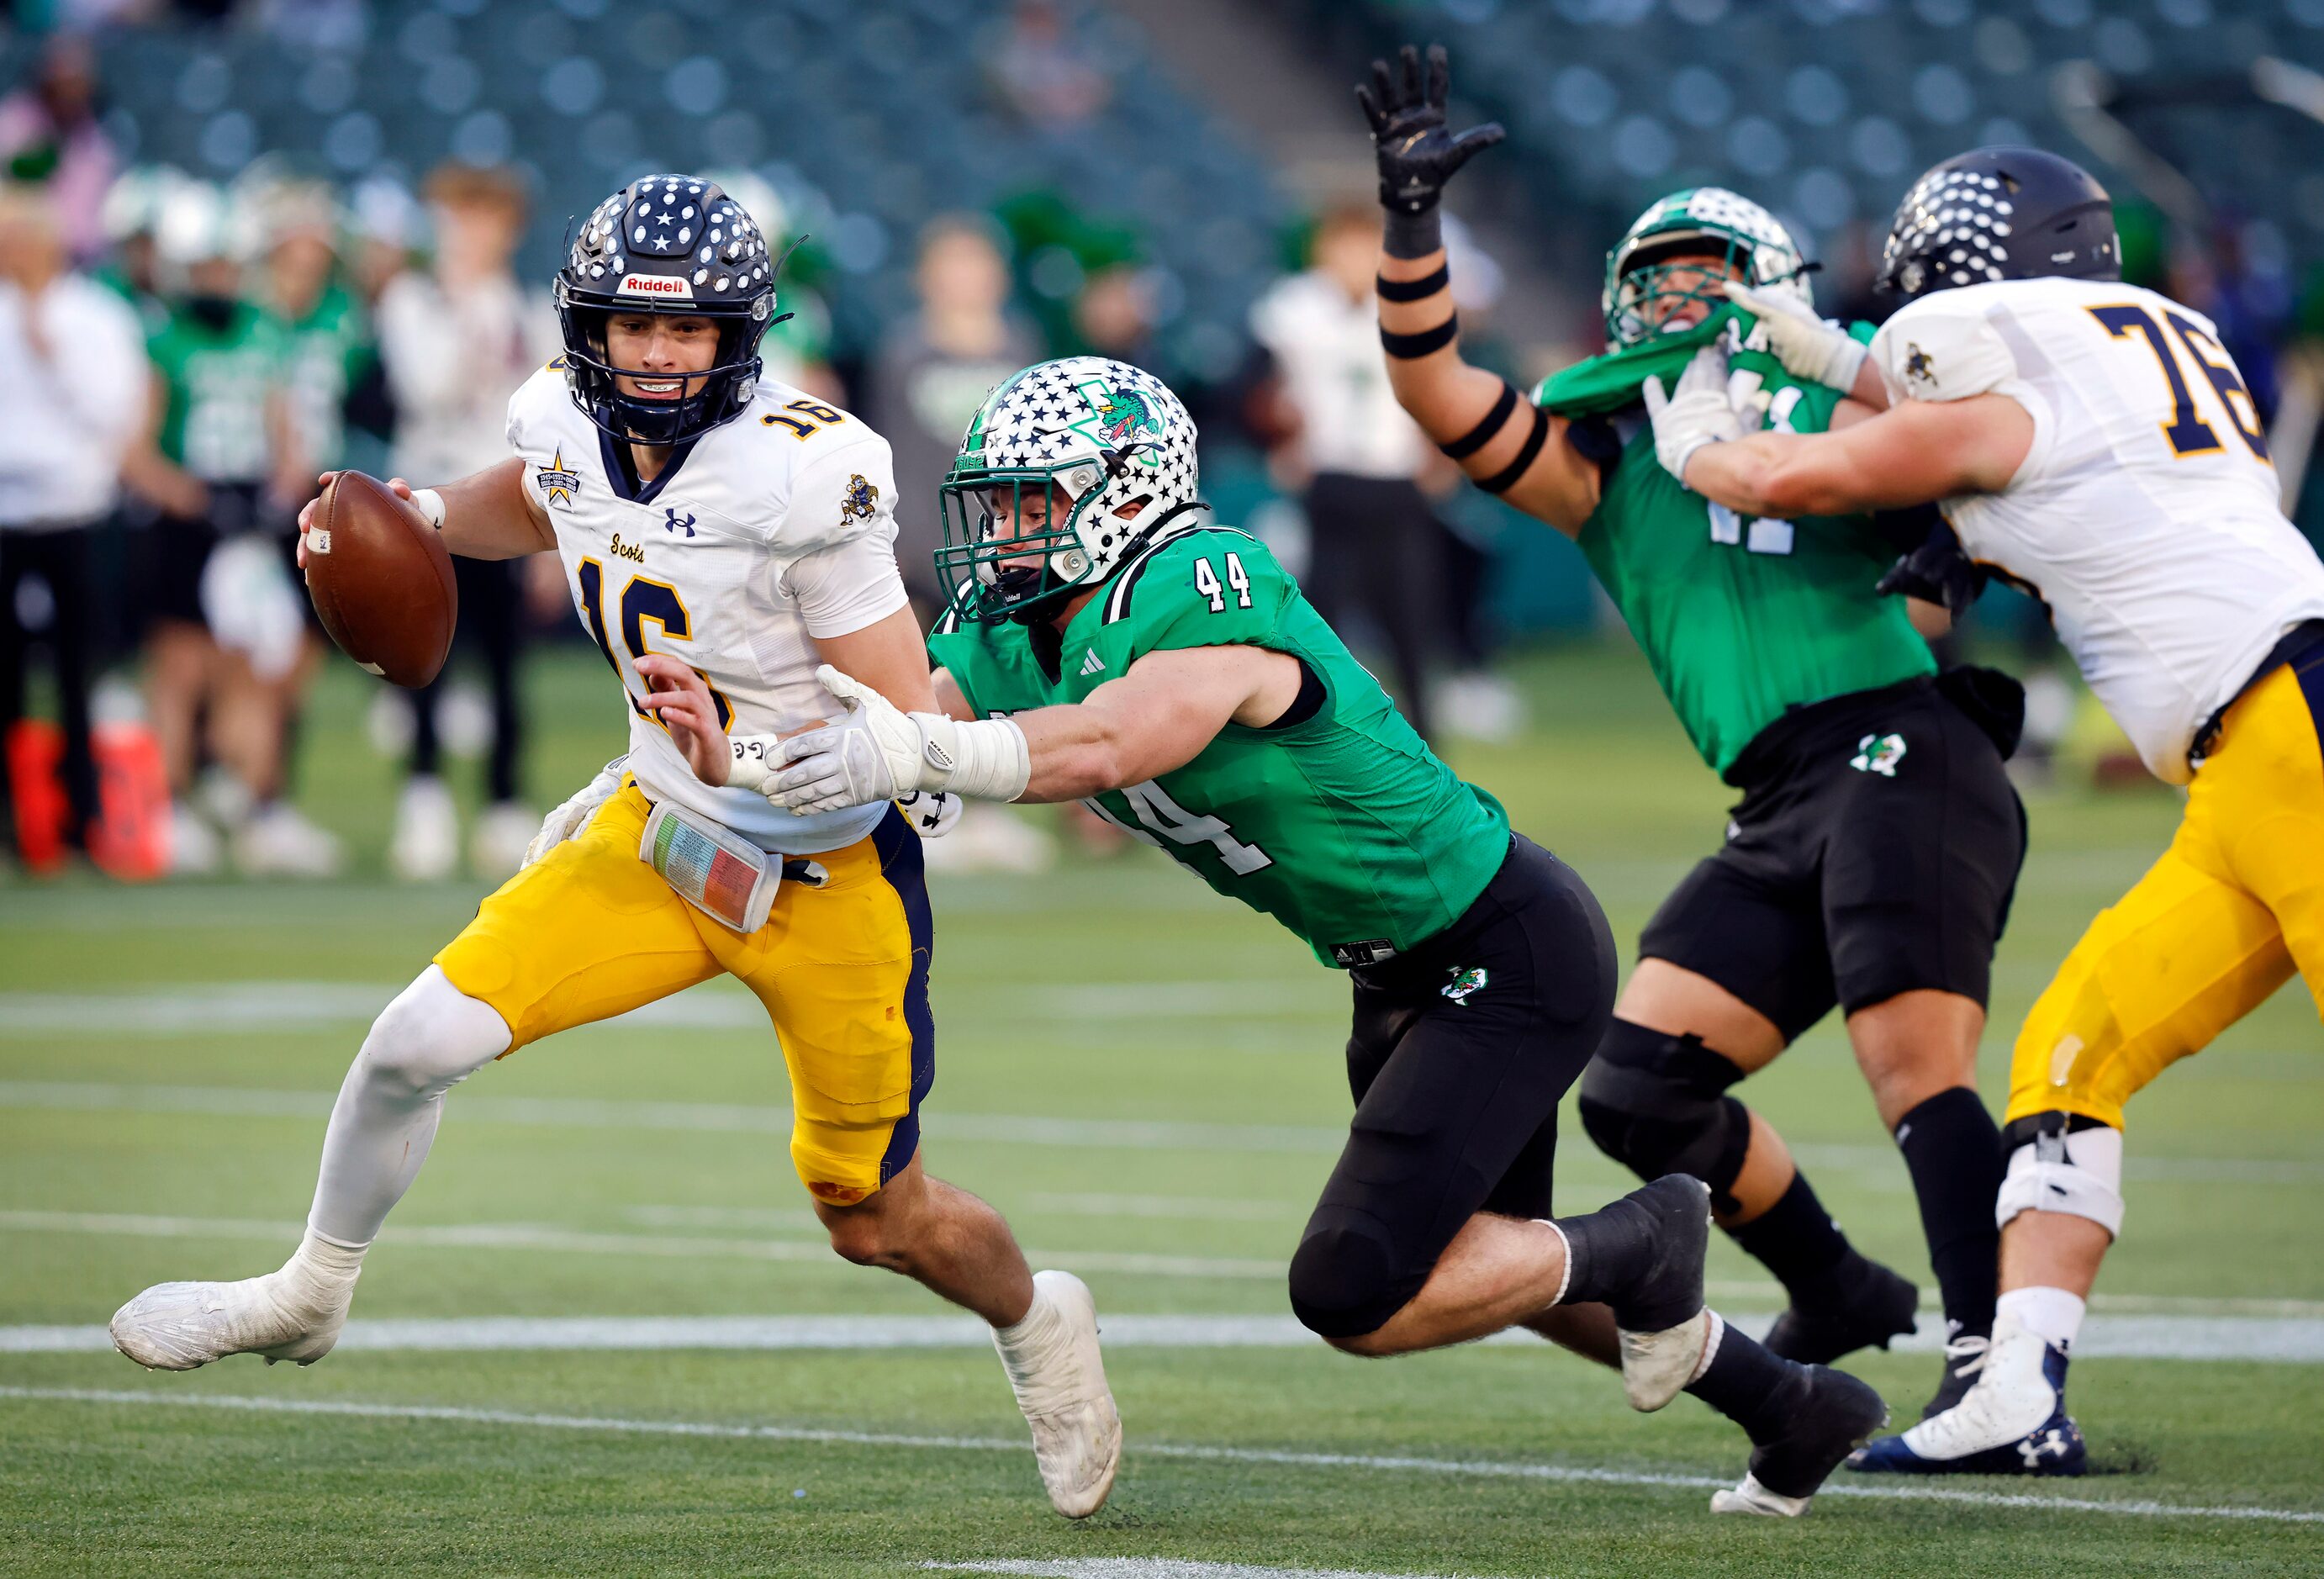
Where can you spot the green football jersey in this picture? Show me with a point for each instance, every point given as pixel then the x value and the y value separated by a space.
pixel 219 379
pixel 324 351
pixel 1742 618
pixel 1344 827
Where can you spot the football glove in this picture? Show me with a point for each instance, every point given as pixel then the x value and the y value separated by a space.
pixel 1936 572
pixel 1695 412
pixel 574 814
pixel 879 752
pixel 933 813
pixel 1416 154
pixel 1807 346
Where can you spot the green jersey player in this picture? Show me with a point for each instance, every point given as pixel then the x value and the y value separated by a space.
pixel 1107 642
pixel 1871 862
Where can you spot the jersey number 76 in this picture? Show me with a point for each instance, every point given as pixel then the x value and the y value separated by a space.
pixel 2187 433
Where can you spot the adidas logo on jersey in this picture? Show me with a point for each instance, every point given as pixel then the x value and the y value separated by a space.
pixel 1091 663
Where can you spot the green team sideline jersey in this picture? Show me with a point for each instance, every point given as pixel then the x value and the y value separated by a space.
pixel 1345 827
pixel 218 378
pixel 1744 618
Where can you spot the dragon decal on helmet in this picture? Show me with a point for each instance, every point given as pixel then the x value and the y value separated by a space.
pixel 1678 252
pixel 1085 437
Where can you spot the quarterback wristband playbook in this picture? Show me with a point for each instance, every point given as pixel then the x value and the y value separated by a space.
pixel 711 867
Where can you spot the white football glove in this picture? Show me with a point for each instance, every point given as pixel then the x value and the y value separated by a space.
pixel 1808 348
pixel 574 814
pixel 879 752
pixel 933 813
pixel 1694 412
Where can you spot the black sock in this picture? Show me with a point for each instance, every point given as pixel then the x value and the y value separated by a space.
pixel 1953 1150
pixel 1741 1383
pixel 1605 1251
pixel 1796 1240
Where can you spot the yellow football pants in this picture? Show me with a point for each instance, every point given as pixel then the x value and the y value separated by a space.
pixel 591 931
pixel 2234 907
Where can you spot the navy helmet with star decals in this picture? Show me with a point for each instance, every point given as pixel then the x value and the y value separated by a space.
pixel 2000 214
pixel 675 245
pixel 1111 447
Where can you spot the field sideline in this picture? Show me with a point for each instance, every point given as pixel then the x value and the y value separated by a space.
pixel 1147 1079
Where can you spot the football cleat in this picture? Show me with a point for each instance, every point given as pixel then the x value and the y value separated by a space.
pixel 1660 1319
pixel 292 1313
pixel 1058 1376
pixel 2012 1420
pixel 1827 1413
pixel 1964 1363
pixel 1866 1307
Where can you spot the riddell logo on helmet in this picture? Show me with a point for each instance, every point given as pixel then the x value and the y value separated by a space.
pixel 670 285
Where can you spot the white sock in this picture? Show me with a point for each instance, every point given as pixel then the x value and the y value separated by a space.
pixel 427 1040
pixel 1040 1320
pixel 2052 1315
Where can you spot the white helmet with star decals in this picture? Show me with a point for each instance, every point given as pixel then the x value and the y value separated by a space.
pixel 1108 450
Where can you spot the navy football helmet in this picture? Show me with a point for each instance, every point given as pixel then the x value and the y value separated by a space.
pixel 675 245
pixel 2000 214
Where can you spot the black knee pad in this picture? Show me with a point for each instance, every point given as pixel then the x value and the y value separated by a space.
pixel 1349 1275
pixel 1658 1105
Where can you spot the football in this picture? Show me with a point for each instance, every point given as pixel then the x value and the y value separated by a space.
pixel 381 580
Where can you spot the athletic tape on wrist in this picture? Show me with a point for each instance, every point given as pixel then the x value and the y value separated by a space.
pixel 1502 481
pixel 1486 430
pixel 1419 290
pixel 992 760
pixel 431 505
pixel 1409 347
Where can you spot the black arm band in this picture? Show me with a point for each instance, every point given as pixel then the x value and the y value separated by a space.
pixel 1419 290
pixel 1502 481
pixel 1406 347
pixel 1486 432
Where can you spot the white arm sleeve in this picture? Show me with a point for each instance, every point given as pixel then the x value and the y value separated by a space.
pixel 843 588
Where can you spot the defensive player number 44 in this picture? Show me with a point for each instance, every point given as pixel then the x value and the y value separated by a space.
pixel 1153 806
pixel 1238 581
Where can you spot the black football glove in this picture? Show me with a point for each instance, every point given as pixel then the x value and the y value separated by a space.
pixel 1416 154
pixel 1936 572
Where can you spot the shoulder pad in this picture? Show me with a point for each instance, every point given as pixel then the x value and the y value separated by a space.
pixel 1936 349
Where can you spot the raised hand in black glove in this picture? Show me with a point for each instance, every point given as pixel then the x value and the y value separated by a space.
pixel 1936 572
pixel 1418 156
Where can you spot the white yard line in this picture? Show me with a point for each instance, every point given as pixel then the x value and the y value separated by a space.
pixel 2276 1340
pixel 2127 1325
pixel 1480 1468
pixel 474 1106
pixel 1152 1568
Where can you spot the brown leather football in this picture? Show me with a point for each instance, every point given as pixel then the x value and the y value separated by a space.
pixel 381 580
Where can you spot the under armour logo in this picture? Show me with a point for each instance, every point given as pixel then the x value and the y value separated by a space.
pixel 2051 1441
pixel 674 525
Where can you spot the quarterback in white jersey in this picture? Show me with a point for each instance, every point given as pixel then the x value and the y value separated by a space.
pixel 2093 443
pixel 723 536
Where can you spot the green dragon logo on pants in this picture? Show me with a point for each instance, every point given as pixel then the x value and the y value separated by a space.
pixel 1878 753
pixel 1464 982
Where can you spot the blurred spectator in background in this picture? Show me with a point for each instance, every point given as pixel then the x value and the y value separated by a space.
pixel 1113 316
pixel 932 372
pixel 72 360
pixel 457 340
pixel 227 625
pixel 1373 542
pixel 1044 73
pixel 49 134
pixel 796 350
pixel 132 212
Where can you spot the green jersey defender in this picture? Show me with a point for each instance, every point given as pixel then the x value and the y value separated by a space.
pixel 1106 643
pixel 1870 864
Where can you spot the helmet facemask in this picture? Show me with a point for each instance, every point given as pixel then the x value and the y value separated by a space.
pixel 1680 254
pixel 1103 452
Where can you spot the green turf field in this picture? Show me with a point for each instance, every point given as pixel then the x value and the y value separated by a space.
pixel 1145 1078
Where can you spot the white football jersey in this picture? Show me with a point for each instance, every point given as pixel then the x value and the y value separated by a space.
pixel 2146 515
pixel 773 528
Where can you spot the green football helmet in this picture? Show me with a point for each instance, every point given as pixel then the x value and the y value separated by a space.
pixel 1096 435
pixel 1660 263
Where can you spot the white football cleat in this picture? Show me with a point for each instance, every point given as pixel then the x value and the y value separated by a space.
pixel 277 841
pixel 1058 1376
pixel 1751 1497
pixel 195 850
pixel 496 848
pixel 426 845
pixel 292 1313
